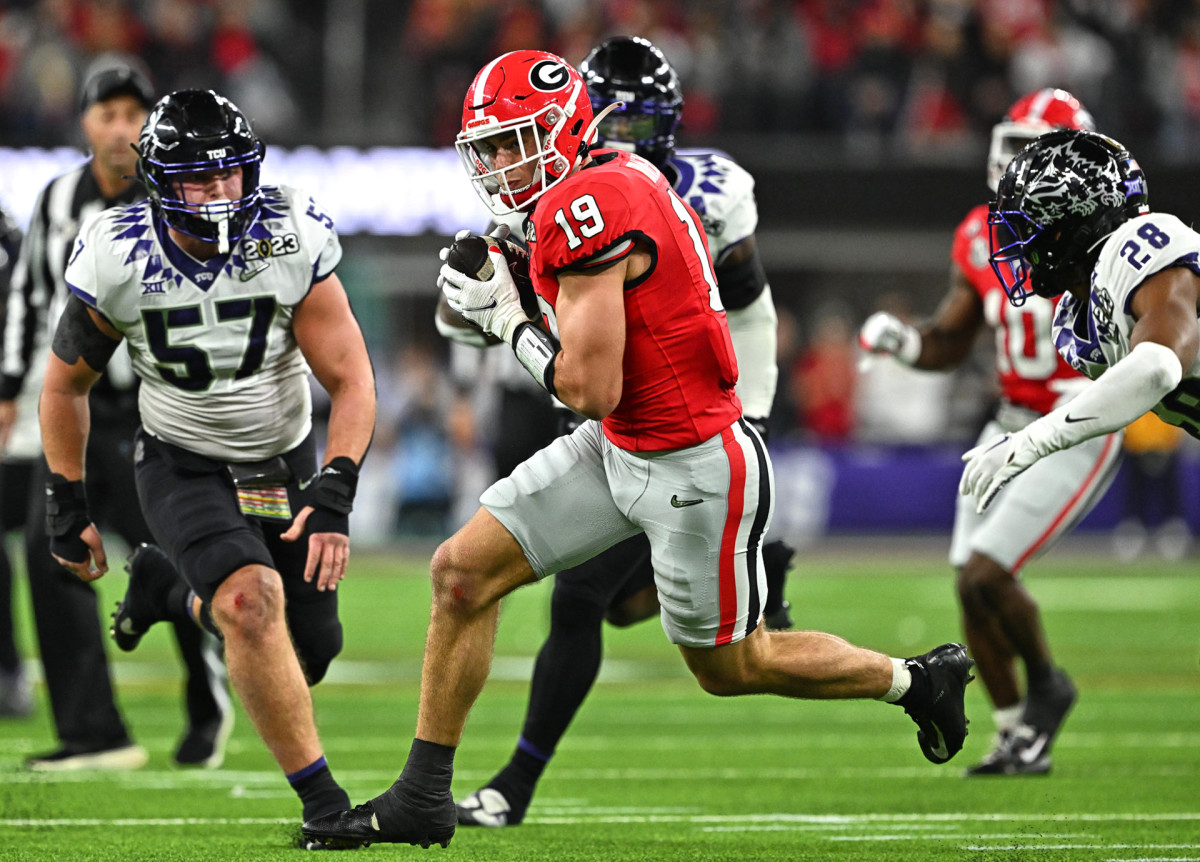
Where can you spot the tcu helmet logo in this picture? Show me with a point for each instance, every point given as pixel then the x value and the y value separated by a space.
pixel 549 75
pixel 149 135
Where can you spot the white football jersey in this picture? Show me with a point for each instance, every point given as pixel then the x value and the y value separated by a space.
pixel 212 341
pixel 720 191
pixel 1094 338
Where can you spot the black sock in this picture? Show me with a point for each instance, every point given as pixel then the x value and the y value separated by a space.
pixel 317 790
pixel 919 690
pixel 178 605
pixel 429 768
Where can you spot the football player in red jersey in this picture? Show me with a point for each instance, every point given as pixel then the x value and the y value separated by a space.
pixel 632 336
pixel 1000 618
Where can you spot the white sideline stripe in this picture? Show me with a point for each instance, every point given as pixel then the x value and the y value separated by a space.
pixel 171 779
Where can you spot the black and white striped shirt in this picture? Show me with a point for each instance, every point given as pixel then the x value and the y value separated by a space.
pixel 38 292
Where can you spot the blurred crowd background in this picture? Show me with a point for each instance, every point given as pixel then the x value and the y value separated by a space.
pixel 866 123
pixel 906 72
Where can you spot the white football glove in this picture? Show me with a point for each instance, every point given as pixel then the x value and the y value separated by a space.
pixel 885 334
pixel 990 466
pixel 493 305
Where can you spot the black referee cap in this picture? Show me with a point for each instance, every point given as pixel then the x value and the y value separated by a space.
pixel 115 75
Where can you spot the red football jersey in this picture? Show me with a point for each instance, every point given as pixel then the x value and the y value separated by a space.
pixel 679 364
pixel 1026 361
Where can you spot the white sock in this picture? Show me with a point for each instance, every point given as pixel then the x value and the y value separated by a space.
pixel 1008 717
pixel 901 680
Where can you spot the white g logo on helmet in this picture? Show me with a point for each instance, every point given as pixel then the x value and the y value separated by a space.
pixel 548 76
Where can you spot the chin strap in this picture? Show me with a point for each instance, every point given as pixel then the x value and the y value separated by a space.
pixel 596 120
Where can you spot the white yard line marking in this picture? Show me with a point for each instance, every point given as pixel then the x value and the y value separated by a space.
pixel 900 827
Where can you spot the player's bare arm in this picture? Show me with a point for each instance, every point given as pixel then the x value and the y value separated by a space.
pixel 591 327
pixel 82 346
pixel 1165 307
pixel 332 343
pixel 948 337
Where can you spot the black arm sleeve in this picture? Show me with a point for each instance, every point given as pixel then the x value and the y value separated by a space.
pixel 741 283
pixel 77 337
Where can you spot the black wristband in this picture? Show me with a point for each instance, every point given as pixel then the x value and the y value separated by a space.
pixel 66 506
pixel 322 520
pixel 66 517
pixel 335 486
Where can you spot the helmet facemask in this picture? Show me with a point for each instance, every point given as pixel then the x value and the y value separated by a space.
pixel 535 137
pixel 643 127
pixel 219 221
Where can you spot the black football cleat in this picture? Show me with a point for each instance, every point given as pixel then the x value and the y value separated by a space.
pixel 151 577
pixel 941 719
pixel 1021 751
pixel 397 816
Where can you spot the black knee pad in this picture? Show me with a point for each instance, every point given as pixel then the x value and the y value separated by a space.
pixel 317 636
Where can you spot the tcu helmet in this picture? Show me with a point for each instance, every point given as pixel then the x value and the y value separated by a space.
pixel 1057 201
pixel 1031 115
pixel 631 70
pixel 196 131
pixel 539 98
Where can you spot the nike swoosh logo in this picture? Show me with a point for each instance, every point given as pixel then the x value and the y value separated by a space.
pixel 679 504
pixel 940 750
pixel 1070 418
pixel 1034 751
pixel 375 821
pixel 306 482
pixel 491 304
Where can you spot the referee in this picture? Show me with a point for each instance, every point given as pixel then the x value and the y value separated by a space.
pixel 115 98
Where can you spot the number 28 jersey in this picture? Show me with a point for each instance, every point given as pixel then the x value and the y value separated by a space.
pixel 1095 335
pixel 212 341
pixel 679 365
pixel 1030 371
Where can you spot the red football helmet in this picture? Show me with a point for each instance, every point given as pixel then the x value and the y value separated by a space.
pixel 1031 115
pixel 542 99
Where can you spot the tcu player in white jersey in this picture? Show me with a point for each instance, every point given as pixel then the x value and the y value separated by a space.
pixel 1000 617
pixel 1072 216
pixel 618 585
pixel 226 295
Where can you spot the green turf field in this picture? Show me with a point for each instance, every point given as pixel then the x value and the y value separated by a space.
pixel 654 769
